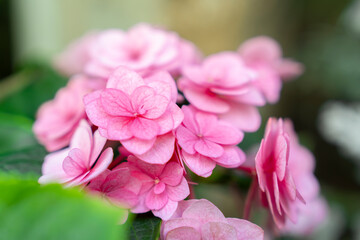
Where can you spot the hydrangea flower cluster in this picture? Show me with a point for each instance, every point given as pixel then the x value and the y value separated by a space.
pixel 142 106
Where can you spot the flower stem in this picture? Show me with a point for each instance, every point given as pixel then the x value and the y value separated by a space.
pixel 250 198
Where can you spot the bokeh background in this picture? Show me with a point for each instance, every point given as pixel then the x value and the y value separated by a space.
pixel 324 103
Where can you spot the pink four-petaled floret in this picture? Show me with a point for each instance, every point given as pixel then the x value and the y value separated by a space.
pixel 140 113
pixel 206 141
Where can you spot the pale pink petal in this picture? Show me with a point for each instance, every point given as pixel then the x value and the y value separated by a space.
pixel 102 163
pixel 98 145
pixel 82 139
pixel 171 119
pixel 156 201
pixel 163 77
pixel 75 164
pixel 199 164
pixel 246 230
pixel 224 133
pixel 172 174
pixel 218 231
pixel 232 157
pixel 159 188
pixel 206 102
pixel 167 211
pixel 123 197
pixel 143 128
pixel 186 139
pixel 208 148
pixel 125 80
pixel 116 103
pixel 204 211
pixel 138 146
pixel 244 117
pixel 175 223
pixel 148 103
pixel 119 128
pixel 179 192
pixel 160 151
pixel 183 233
pixel 94 109
pixel 260 49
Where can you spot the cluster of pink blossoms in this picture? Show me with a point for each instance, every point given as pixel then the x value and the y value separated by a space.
pixel 123 97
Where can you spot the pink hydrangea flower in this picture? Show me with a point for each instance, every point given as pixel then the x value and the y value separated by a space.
pixel 117 186
pixel 222 84
pixel 138 114
pixel 200 219
pixel 79 163
pixel 274 176
pixel 57 119
pixel 302 165
pixel 163 186
pixel 206 141
pixel 264 56
pixel 143 48
pixel 73 60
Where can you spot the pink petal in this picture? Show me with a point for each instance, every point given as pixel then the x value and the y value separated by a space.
pixel 176 223
pixel 172 174
pixel 123 197
pixel 204 211
pixel 199 164
pixel 116 103
pixel 281 154
pixel 163 77
pixel 179 192
pixel 119 128
pixel 260 49
pixel 147 103
pixel 224 133
pixel 143 128
pixel 189 119
pixel 167 211
pixel 116 179
pixel 153 170
pixel 186 139
pixel 138 146
pixel 75 164
pixel 94 109
pixel 125 80
pixel 156 201
pixel 161 151
pixel 159 188
pixel 102 163
pixel 183 233
pixel 52 169
pixel 206 102
pixel 208 148
pixel 244 117
pixel 98 145
pixel 246 230
pixel 217 231
pixel 82 139
pixel 232 157
pixel 171 119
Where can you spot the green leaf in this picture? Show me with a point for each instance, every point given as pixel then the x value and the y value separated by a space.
pixel 24 92
pixel 33 212
pixel 15 133
pixel 19 149
pixel 145 227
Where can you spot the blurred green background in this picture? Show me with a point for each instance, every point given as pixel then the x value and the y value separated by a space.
pixel 324 103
